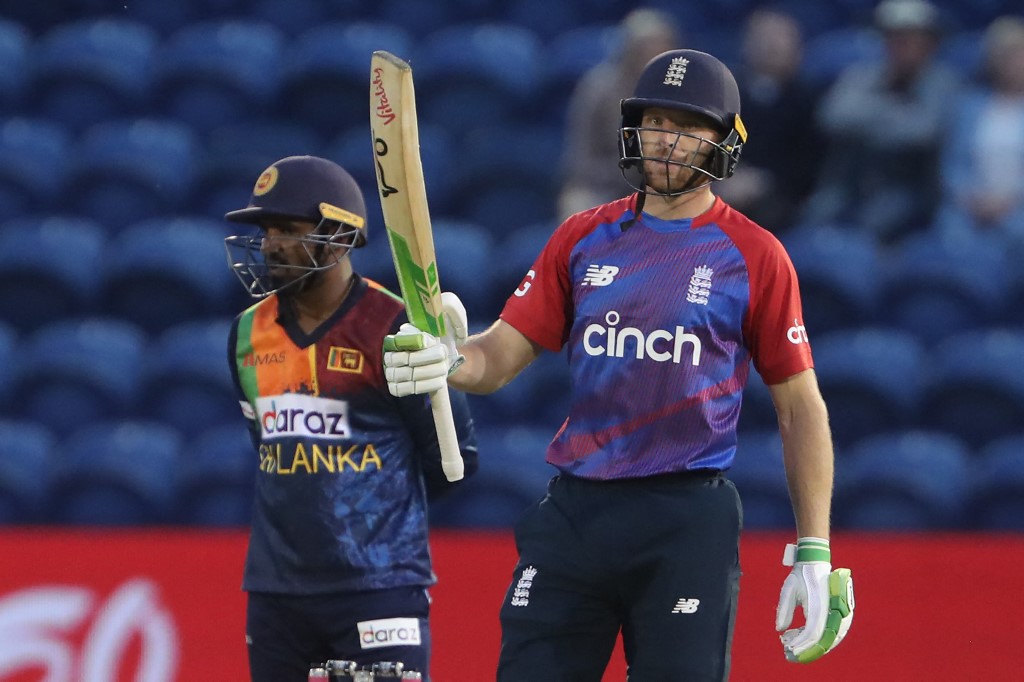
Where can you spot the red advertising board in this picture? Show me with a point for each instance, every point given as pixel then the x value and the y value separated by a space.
pixel 162 605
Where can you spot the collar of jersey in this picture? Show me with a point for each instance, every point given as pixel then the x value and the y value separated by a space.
pixel 683 224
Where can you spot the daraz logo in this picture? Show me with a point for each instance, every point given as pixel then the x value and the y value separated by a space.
pixel 293 415
pixel 374 634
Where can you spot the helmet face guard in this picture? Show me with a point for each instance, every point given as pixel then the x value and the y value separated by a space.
pixel 324 247
pixel 685 80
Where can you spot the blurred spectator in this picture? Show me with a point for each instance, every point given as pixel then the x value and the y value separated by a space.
pixel 589 159
pixel 883 123
pixel 780 161
pixel 983 157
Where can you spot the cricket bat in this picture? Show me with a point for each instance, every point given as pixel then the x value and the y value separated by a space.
pixel 403 198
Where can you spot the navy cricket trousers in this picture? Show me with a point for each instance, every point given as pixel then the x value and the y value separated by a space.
pixel 657 558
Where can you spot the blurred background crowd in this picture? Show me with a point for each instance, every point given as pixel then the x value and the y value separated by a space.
pixel 886 152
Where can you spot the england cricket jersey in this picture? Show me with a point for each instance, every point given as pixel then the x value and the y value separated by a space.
pixel 340 499
pixel 661 321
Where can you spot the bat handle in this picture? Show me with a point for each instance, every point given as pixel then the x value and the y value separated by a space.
pixel 444 423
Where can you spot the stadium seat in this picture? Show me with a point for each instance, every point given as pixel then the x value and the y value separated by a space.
pixel 538 396
pixel 940 285
pixel 976 385
pixel 9 351
pixel 512 476
pixel 421 18
pixel 326 71
pixel 760 478
pixel 908 480
pixel 161 272
pixel 26 471
pixel 504 178
pixel 566 58
pixel 464 251
pixel 216 72
pixel 839 268
pixel 118 473
pixel 74 372
pixel 15 43
pixel 758 410
pixel 549 20
pixel 997 494
pixel 50 269
pixel 125 171
pixel 217 477
pixel 34 168
pixel 872 380
pixel 477 75
pixel 185 379
pixel 295 16
pixel 234 156
pixel 87 71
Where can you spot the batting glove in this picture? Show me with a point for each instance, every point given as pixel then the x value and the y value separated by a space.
pixel 826 597
pixel 417 362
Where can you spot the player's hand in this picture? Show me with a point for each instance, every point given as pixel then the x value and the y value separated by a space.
pixel 417 362
pixel 826 597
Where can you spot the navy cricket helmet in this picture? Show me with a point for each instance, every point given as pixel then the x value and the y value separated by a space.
pixel 693 81
pixel 299 188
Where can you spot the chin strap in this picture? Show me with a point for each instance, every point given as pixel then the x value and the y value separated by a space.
pixel 638 208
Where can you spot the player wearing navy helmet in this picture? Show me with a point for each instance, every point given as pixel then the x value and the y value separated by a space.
pixel 338 560
pixel 664 298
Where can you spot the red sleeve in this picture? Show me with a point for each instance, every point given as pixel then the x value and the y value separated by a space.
pixel 542 307
pixel 773 325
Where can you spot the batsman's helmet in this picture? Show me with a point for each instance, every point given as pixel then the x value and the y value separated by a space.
pixel 299 188
pixel 691 81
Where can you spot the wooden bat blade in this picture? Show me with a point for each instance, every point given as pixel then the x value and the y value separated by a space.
pixel 403 198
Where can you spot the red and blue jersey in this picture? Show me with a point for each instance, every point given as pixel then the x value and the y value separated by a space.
pixel 661 321
pixel 341 500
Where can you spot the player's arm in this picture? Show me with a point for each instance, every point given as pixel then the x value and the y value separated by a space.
pixel 807 451
pixel 493 358
pixel 825 595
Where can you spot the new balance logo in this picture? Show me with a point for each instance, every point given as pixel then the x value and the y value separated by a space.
pixel 686 606
pixel 600 275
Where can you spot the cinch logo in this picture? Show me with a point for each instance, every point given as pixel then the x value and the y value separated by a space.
pixel 374 634
pixel 797 334
pixel 659 345
pixel 293 415
pixel 254 360
pixel 600 275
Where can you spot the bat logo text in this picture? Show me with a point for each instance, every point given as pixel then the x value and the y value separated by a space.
pixel 384 110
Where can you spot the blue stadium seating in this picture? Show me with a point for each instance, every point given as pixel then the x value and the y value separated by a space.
pixel 940 285
pixel 123 171
pixel 26 471
pixel 512 476
pixel 185 381
pixel 86 71
pixel 9 347
pixel 908 480
pixel 538 396
pixel 76 371
pixel 120 473
pixel 872 380
pixel 566 58
pixel 464 251
pixel 758 410
pixel 997 493
pixel 760 478
pixel 161 272
pixel 217 477
pixel 504 176
pixel 472 75
pixel 840 269
pixel 976 387
pixel 50 269
pixel 216 72
pixel 326 73
pixel 236 154
pixel 34 168
pixel 15 42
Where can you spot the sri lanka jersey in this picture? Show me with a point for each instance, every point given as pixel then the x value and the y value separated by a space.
pixel 661 321
pixel 340 500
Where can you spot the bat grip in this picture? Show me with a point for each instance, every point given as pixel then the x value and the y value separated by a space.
pixel 444 423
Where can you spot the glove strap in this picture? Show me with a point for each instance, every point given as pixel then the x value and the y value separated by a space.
pixel 806 550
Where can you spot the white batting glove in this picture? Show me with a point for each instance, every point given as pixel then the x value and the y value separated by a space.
pixel 417 362
pixel 826 597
